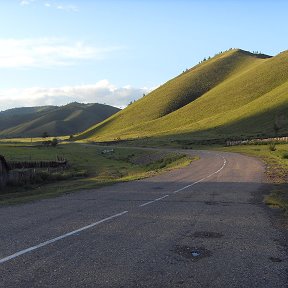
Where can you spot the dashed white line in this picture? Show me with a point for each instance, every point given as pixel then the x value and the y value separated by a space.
pixel 3 260
pixel 19 253
pixel 158 199
pixel 201 180
pixel 190 185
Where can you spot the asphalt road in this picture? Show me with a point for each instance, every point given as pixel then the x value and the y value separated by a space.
pixel 200 226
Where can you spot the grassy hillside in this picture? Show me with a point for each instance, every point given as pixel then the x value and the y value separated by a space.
pixel 15 116
pixel 235 93
pixel 64 120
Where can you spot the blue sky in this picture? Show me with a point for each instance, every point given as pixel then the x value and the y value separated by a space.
pixel 58 51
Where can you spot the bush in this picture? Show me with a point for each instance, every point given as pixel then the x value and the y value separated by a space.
pixel 272 147
pixel 54 142
pixel 285 155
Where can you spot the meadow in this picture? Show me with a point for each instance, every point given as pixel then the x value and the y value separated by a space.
pixel 90 166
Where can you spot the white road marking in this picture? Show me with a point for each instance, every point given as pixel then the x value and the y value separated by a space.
pixel 201 180
pixel 3 260
pixel 158 199
pixel 190 185
pixel 8 258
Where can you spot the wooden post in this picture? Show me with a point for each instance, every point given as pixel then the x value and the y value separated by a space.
pixel 4 170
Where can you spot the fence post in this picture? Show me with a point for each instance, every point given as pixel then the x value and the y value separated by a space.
pixel 4 170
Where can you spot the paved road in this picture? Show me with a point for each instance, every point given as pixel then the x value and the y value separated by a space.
pixel 195 227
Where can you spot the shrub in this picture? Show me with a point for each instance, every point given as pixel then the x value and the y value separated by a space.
pixel 54 142
pixel 285 155
pixel 272 147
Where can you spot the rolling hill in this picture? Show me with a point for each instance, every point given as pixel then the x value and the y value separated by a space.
pixel 56 121
pixel 234 94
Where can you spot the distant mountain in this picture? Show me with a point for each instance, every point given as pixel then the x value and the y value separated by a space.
pixel 56 121
pixel 234 94
pixel 26 110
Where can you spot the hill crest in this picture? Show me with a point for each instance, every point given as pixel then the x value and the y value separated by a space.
pixel 55 120
pixel 204 100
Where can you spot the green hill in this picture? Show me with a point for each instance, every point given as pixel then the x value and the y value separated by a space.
pixel 56 121
pixel 235 93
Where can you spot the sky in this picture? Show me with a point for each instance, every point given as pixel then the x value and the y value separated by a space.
pixel 53 52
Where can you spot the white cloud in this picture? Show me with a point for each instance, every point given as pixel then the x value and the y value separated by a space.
pixel 68 8
pixel 100 92
pixel 26 2
pixel 47 52
pixel 51 4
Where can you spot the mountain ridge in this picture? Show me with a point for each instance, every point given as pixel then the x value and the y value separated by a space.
pixel 55 120
pixel 209 96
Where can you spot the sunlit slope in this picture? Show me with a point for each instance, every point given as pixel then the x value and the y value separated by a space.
pixel 179 91
pixel 56 121
pixel 247 100
pixel 234 99
pixel 257 118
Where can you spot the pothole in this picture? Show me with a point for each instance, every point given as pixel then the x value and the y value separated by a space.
pixel 157 188
pixel 275 259
pixel 210 203
pixel 192 253
pixel 207 234
pixel 195 253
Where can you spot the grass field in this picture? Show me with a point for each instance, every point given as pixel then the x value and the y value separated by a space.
pixel 234 94
pixel 89 167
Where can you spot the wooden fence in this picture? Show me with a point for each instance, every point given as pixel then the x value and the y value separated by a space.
pixel 36 164
pixel 16 172
pixel 257 141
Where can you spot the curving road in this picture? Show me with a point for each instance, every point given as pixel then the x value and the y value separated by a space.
pixel 200 226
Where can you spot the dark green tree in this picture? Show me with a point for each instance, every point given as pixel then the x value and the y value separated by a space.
pixel 54 142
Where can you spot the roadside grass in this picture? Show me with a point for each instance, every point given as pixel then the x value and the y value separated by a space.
pixel 89 168
pixel 165 162
pixel 276 170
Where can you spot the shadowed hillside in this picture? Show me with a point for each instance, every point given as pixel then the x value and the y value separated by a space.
pixel 234 93
pixel 56 121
